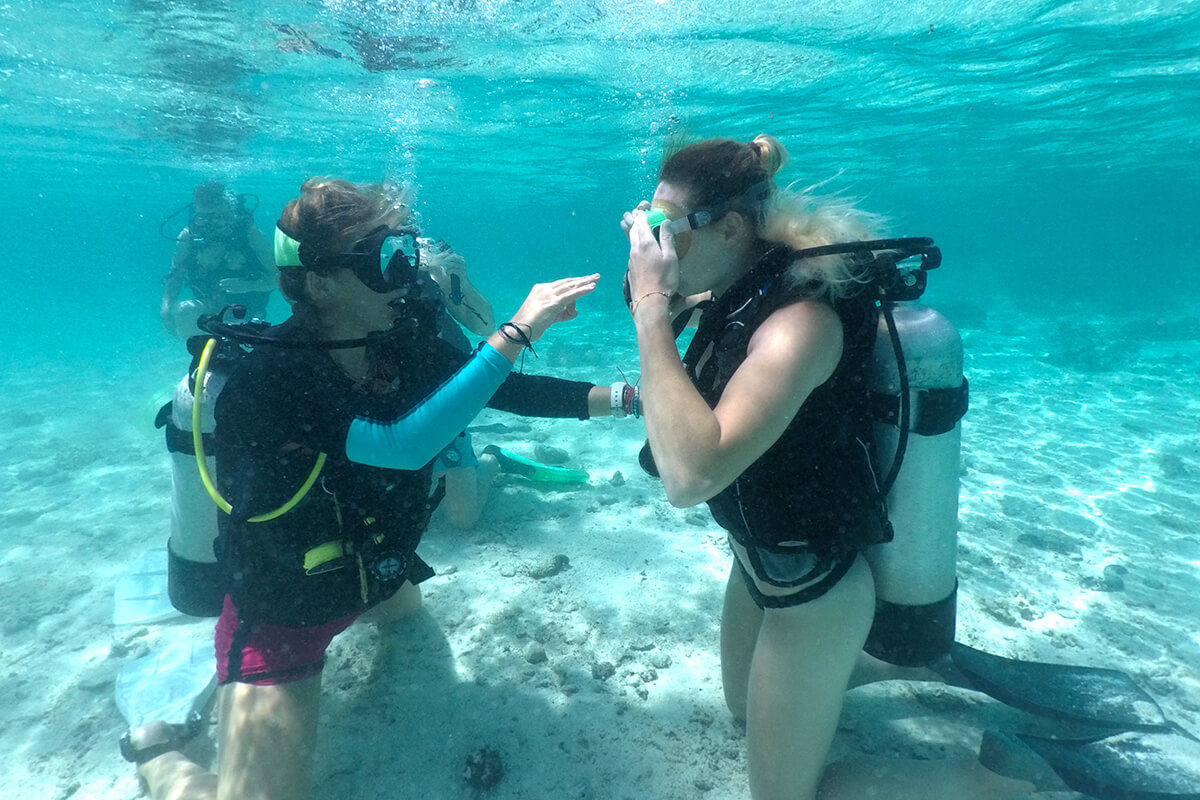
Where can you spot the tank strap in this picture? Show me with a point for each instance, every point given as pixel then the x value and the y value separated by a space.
pixel 934 411
pixel 180 441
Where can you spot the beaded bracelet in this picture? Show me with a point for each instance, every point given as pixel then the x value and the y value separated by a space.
pixel 624 400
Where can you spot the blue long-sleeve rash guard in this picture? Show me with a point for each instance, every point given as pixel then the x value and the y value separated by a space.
pixel 411 441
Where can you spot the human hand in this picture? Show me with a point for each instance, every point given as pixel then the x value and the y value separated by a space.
pixel 238 285
pixel 627 219
pixel 552 302
pixel 653 266
pixel 441 265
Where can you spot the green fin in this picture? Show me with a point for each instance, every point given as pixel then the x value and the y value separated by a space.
pixel 1091 695
pixel 513 464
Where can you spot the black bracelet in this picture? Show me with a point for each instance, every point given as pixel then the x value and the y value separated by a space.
pixel 519 337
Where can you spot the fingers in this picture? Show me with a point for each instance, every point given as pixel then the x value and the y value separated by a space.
pixel 666 240
pixel 571 289
pixel 629 218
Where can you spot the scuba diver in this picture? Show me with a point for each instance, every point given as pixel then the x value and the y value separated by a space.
pixel 468 475
pixel 325 435
pixel 776 417
pixel 221 258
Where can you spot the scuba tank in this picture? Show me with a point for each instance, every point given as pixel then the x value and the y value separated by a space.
pixel 194 581
pixel 915 581
pixel 919 396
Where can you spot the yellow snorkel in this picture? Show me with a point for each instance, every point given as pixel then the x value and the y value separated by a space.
pixel 202 464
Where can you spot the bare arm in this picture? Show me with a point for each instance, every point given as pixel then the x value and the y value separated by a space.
pixel 266 256
pixel 699 451
pixel 463 301
pixel 173 283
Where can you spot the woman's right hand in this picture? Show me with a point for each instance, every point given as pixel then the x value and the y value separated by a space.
pixel 552 302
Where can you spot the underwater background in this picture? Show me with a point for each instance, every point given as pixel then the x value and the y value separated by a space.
pixel 1050 148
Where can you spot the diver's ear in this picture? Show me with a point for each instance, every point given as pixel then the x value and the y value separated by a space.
pixel 319 288
pixel 733 226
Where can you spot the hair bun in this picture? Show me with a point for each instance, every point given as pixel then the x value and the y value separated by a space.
pixel 770 151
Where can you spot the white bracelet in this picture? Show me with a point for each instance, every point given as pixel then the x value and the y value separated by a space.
pixel 616 399
pixel 624 400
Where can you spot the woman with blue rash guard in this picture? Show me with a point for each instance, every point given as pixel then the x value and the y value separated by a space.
pixel 368 391
pixel 766 419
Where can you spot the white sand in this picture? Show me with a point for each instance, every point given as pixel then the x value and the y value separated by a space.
pixel 1071 468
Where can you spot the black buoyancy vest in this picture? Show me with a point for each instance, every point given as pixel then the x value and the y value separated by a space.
pixel 369 511
pixel 815 485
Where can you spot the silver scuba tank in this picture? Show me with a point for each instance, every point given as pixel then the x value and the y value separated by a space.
pixel 193 575
pixel 915 581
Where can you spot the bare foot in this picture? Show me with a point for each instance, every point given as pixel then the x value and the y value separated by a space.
pixel 155 732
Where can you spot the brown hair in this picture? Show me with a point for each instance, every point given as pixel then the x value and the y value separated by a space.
pixel 212 193
pixel 718 170
pixel 333 216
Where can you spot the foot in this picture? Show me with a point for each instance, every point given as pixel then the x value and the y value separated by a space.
pixel 489 468
pixel 157 738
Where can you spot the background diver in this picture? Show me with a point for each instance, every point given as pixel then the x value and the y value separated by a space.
pixel 221 258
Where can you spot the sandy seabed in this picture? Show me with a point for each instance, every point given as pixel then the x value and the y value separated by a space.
pixel 574 630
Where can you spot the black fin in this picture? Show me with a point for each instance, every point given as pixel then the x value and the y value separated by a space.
pixel 1103 697
pixel 1132 765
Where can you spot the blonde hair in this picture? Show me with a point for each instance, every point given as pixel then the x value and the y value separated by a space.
pixel 800 220
pixel 713 171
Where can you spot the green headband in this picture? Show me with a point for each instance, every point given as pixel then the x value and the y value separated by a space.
pixel 287 250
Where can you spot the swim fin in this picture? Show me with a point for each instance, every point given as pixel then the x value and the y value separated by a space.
pixel 513 464
pixel 141 594
pixel 171 685
pixel 1162 764
pixel 1105 698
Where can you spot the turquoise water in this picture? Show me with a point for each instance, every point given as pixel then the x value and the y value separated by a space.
pixel 1050 148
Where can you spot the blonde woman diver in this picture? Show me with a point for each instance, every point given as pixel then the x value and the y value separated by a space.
pixel 766 420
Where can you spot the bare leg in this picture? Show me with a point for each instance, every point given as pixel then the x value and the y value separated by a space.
pixel 267 735
pixel 741 619
pixel 802 660
pixel 267 738
pixel 869 669
pixel 402 605
pixel 467 490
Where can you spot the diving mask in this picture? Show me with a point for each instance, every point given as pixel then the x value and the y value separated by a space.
pixel 385 260
pixel 681 225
